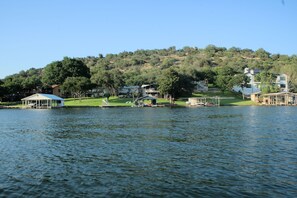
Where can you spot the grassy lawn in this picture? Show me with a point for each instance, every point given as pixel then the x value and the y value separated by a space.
pixel 96 102
pixel 123 102
pixel 237 102
pixel 86 102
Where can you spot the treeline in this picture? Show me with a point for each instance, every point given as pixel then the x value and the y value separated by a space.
pixel 172 70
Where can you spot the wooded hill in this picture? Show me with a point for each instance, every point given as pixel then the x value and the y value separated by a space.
pixel 172 70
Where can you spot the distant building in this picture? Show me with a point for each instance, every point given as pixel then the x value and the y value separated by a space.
pixel 282 82
pixel 96 92
pixel 129 91
pixel 150 90
pixel 56 90
pixel 254 86
pixel 201 86
pixel 281 98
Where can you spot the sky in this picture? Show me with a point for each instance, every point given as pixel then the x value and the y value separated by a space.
pixel 35 33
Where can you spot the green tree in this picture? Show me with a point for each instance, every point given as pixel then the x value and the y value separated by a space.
pixel 267 80
pixel 76 86
pixel 186 85
pixel 261 53
pixel 111 80
pixel 240 80
pixel 53 73
pixel 227 78
pixel 32 80
pixel 2 90
pixel 56 72
pixel 168 82
pixel 167 63
pixel 13 84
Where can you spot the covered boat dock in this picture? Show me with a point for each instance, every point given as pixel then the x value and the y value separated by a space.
pixel 42 101
pixel 280 99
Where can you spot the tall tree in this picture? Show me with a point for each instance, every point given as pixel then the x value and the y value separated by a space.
pixel 227 78
pixel 2 90
pixel 111 80
pixel 240 80
pixel 168 82
pixel 57 72
pixel 76 86
pixel 267 80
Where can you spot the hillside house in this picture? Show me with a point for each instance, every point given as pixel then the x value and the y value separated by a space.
pixel 254 86
pixel 129 91
pixel 150 90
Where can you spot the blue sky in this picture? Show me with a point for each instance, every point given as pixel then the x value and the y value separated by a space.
pixel 36 32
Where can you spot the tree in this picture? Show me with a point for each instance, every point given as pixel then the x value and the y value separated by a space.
pixel 53 73
pixel 76 86
pixel 111 80
pixel 185 85
pixel 168 82
pixel 32 82
pixel 267 80
pixel 13 84
pixel 57 72
pixel 261 53
pixel 2 90
pixel 168 62
pixel 227 78
pixel 240 80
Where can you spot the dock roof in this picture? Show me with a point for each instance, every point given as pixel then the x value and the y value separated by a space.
pixel 42 96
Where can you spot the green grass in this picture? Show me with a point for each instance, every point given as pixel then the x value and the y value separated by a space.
pixel 96 102
pixel 11 104
pixel 84 102
pixel 237 102
pixel 123 102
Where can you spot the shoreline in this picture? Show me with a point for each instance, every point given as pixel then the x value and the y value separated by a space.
pixel 165 106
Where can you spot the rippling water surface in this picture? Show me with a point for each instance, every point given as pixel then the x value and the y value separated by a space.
pixel 146 152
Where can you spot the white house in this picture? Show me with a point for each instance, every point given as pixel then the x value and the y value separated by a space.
pixel 282 82
pixel 254 86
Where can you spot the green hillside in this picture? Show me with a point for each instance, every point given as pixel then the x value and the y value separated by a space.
pixel 171 70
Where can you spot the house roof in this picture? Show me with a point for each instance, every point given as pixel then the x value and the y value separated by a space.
pixel 54 86
pixel 41 96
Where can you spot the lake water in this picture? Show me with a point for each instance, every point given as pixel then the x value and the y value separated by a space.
pixel 149 152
